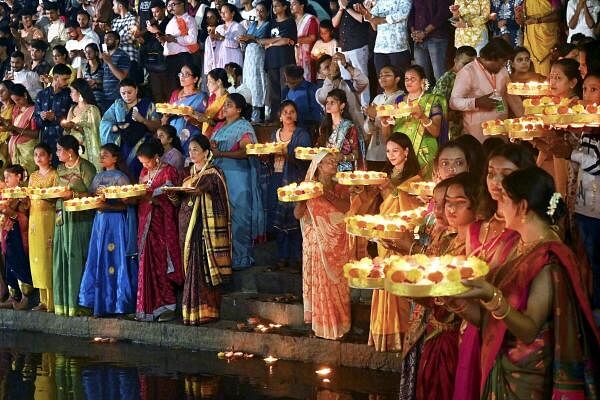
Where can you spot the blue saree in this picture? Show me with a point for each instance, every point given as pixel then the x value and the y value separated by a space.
pixel 185 130
pixel 129 134
pixel 109 283
pixel 245 201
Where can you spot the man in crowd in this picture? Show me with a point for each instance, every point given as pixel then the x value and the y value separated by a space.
pixel 51 107
pixel 56 33
pixel 18 74
pixel 83 19
pixel 430 30
pixel 152 58
pixel 354 42
pixel 125 25
pixel 480 89
pixel 115 68
pixel 37 50
pixel 76 44
pixel 234 71
pixel 330 68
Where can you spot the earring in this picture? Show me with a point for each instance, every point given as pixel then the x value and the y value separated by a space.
pixel 523 219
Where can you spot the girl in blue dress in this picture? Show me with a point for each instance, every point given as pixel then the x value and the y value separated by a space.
pixel 109 282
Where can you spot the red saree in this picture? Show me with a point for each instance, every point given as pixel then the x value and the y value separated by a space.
pixel 559 363
pixel 495 252
pixel 158 244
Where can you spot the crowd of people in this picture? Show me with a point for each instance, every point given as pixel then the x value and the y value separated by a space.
pixel 79 97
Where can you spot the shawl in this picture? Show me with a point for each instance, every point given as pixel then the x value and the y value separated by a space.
pixel 576 337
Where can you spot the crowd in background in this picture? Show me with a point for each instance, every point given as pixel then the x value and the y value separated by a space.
pixel 79 95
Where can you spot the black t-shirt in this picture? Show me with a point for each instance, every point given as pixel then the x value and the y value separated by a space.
pixel 280 56
pixel 144 12
pixel 352 34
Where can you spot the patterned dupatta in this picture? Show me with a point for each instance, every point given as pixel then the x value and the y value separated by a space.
pixel 215 227
pixel 338 139
pixel 575 338
pixel 183 30
pixel 212 111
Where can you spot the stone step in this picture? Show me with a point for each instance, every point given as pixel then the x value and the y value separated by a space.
pixel 284 343
pixel 262 279
pixel 240 306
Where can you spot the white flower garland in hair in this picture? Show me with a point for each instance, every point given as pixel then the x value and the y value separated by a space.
pixel 553 204
pixel 426 84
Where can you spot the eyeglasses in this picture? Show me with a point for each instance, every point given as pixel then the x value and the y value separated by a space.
pixel 172 4
pixel 184 75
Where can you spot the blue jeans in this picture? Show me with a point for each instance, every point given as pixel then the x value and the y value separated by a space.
pixel 431 55
pixel 589 229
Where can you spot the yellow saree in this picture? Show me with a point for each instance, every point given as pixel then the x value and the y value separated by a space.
pixel 540 39
pixel 20 147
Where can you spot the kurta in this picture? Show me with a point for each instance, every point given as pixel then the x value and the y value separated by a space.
pixel 89 121
pixel 230 50
pixel 255 76
pixel 71 238
pixel 109 281
pixel 41 237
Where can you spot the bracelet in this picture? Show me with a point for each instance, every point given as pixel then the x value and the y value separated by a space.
pixel 427 124
pixel 496 299
pixel 500 317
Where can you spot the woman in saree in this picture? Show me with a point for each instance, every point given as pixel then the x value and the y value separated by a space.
pixel 307 26
pixel 426 125
pixel 23 131
pixel 255 76
pixel 389 313
pixel 15 243
pixel 6 113
pixel 204 235
pixel 128 123
pixel 490 240
pixel 228 145
pixel 541 20
pixel 217 83
pixel 72 229
pixel 539 339
pixel 432 337
pixel 189 95
pixel 109 280
pixel 41 227
pixel 83 120
pixel 160 269
pixel 325 292
pixel 338 131
pixel 287 169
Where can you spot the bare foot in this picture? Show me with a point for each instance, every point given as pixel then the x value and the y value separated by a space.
pixel 22 305
pixel 8 303
pixel 40 307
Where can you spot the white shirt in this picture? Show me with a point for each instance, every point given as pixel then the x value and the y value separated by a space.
pixel 181 43
pixel 582 27
pixel 93 35
pixel 30 80
pixel 243 90
pixel 57 34
pixel 78 45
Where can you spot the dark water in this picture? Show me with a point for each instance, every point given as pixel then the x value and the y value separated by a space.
pixel 46 367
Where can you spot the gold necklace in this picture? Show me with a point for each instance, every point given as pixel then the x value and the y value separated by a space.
pixel 151 178
pixel 74 164
pixel 526 247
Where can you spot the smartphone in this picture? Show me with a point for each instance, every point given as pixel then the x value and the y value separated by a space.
pixel 104 48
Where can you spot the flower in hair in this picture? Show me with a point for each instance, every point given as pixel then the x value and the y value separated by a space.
pixel 553 204
pixel 426 84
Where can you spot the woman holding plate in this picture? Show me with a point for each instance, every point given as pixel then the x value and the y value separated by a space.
pixel 325 292
pixel 204 235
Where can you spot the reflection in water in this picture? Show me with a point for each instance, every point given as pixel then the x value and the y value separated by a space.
pixel 73 369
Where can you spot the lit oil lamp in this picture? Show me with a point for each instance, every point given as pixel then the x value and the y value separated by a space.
pixel 270 360
pixel 323 371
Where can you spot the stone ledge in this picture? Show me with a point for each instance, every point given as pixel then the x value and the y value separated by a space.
pixel 221 335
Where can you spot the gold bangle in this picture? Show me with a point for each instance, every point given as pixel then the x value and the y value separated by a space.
pixel 496 298
pixel 500 317
pixel 427 125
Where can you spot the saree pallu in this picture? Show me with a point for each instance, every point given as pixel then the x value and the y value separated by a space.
pixel 186 130
pixel 214 112
pixel 390 313
pixel 109 280
pixel 495 252
pixel 540 39
pixel 159 254
pixel 325 292
pixel 205 239
pixel 560 363
pixel 245 199
pixel 20 147
pixel 307 26
pixel 6 113
pixel 89 121
pixel 41 238
pixel 425 145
